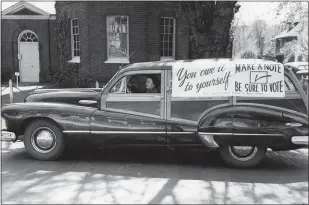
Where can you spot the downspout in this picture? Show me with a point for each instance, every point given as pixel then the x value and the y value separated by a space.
pixel 50 62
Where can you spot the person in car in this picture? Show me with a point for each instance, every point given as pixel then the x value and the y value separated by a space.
pixel 152 84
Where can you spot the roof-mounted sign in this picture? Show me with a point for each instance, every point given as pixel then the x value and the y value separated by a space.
pixel 243 77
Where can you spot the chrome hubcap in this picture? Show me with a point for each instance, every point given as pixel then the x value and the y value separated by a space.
pixel 43 140
pixel 242 153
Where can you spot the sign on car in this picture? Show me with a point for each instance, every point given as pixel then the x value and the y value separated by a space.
pixel 228 78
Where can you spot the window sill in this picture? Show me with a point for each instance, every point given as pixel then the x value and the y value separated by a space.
pixel 167 58
pixel 117 60
pixel 75 60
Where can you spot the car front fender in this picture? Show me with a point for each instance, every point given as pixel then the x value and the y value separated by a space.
pixel 66 116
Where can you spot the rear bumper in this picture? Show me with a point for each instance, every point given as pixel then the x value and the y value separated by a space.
pixel 300 140
pixel 8 136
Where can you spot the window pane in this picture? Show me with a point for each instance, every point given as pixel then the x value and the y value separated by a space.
pixel 161 29
pixel 165 52
pixel 289 85
pixel 162 21
pixel 119 87
pixel 170 38
pixel 170 52
pixel 117 36
pixel 170 45
pixel 166 29
pixel 165 45
pixel 161 52
pixel 161 37
pixel 171 29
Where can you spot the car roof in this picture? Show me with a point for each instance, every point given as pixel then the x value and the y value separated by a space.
pixel 167 65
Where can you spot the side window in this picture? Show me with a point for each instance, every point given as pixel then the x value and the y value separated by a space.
pixel 140 83
pixel 288 84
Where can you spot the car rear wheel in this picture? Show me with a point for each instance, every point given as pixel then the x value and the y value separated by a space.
pixel 242 156
pixel 43 140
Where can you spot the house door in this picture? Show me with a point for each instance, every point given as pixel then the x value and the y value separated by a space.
pixel 29 57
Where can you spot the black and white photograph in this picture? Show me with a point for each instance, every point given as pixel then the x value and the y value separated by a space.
pixel 154 102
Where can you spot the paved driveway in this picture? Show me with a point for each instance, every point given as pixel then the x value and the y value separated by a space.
pixel 151 176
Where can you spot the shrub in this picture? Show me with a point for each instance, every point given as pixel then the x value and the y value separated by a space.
pixel 68 75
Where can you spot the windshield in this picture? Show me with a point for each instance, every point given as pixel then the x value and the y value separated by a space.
pixel 111 80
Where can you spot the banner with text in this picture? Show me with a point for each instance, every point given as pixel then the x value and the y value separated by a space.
pixel 207 78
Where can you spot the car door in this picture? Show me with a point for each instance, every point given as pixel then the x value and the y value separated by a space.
pixel 182 115
pixel 128 115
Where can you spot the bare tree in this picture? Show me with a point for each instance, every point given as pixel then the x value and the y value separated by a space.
pixel 258 29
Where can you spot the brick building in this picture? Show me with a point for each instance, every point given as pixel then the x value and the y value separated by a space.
pixel 102 37
pixel 106 35
pixel 27 43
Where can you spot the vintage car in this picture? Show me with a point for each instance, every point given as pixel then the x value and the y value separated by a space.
pixel 214 104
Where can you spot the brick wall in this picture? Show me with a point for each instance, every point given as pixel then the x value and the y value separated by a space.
pixel 10 30
pixel 144 32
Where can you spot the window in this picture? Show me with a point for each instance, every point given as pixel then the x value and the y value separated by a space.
pixel 167 36
pixel 141 83
pixel 117 39
pixel 75 43
pixel 28 37
pixel 288 84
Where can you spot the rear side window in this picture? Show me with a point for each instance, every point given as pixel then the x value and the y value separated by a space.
pixel 289 86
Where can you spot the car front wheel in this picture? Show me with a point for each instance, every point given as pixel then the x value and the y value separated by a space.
pixel 242 156
pixel 43 140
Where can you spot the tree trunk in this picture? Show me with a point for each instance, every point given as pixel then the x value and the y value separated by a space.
pixel 209 28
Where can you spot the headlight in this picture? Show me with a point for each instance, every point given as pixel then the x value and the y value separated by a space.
pixel 3 124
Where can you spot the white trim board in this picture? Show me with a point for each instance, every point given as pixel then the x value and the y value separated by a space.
pixel 21 5
pixel 28 17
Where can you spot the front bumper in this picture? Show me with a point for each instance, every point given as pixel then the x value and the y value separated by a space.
pixel 8 136
pixel 300 140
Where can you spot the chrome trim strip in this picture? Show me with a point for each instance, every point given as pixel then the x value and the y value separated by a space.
pixel 238 134
pixel 214 133
pixel 179 120
pixel 143 97
pixel 125 132
pixel 76 131
pixel 245 134
pixel 175 99
pixel 131 113
pixel 175 133
pixel 300 140
pixel 280 109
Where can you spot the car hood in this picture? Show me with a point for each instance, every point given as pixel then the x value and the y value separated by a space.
pixel 70 96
